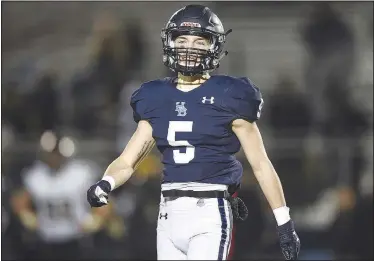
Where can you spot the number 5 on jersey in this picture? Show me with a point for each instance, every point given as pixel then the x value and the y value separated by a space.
pixel 180 126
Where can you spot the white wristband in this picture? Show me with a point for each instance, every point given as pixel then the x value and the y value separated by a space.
pixel 111 181
pixel 282 215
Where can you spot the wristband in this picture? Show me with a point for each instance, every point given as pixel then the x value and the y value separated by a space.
pixel 111 181
pixel 282 215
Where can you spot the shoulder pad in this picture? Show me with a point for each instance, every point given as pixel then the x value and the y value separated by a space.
pixel 244 100
pixel 31 174
pixel 141 100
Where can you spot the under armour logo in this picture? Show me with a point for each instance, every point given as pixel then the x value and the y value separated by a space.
pixel 200 202
pixel 164 216
pixel 211 100
pixel 181 109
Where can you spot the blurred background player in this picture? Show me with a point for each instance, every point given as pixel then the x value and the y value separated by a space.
pixel 52 202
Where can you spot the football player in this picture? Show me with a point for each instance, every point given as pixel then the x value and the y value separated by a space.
pixel 198 123
pixel 51 202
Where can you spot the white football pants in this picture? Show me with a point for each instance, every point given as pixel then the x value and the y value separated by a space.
pixel 193 228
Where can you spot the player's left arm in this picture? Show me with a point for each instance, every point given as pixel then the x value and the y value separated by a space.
pixel 250 138
pixel 245 104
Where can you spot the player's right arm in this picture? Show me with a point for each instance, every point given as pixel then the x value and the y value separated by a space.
pixel 22 207
pixel 140 144
pixel 122 168
pixel 21 197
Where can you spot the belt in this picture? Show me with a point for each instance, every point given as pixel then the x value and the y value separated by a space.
pixel 196 194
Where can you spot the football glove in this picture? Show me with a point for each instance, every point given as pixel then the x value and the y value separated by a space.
pixel 239 209
pixel 97 194
pixel 289 241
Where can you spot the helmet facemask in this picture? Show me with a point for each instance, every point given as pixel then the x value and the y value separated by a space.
pixel 192 61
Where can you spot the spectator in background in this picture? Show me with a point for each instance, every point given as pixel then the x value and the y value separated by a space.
pixel 135 44
pixel 117 52
pixel 326 30
pixel 44 103
pixel 289 115
pixel 13 105
pixel 30 112
pixel 330 44
pixel 110 52
pixel 93 89
pixel 345 160
pixel 89 99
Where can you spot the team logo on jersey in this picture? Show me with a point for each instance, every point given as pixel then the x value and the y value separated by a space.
pixel 181 109
pixel 211 100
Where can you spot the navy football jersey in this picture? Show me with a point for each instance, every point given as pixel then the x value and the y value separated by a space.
pixel 192 129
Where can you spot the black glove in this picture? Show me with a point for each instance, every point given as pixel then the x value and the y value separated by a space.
pixel 289 241
pixel 97 194
pixel 239 209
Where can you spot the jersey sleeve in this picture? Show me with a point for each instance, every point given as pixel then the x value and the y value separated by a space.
pixel 139 104
pixel 245 101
